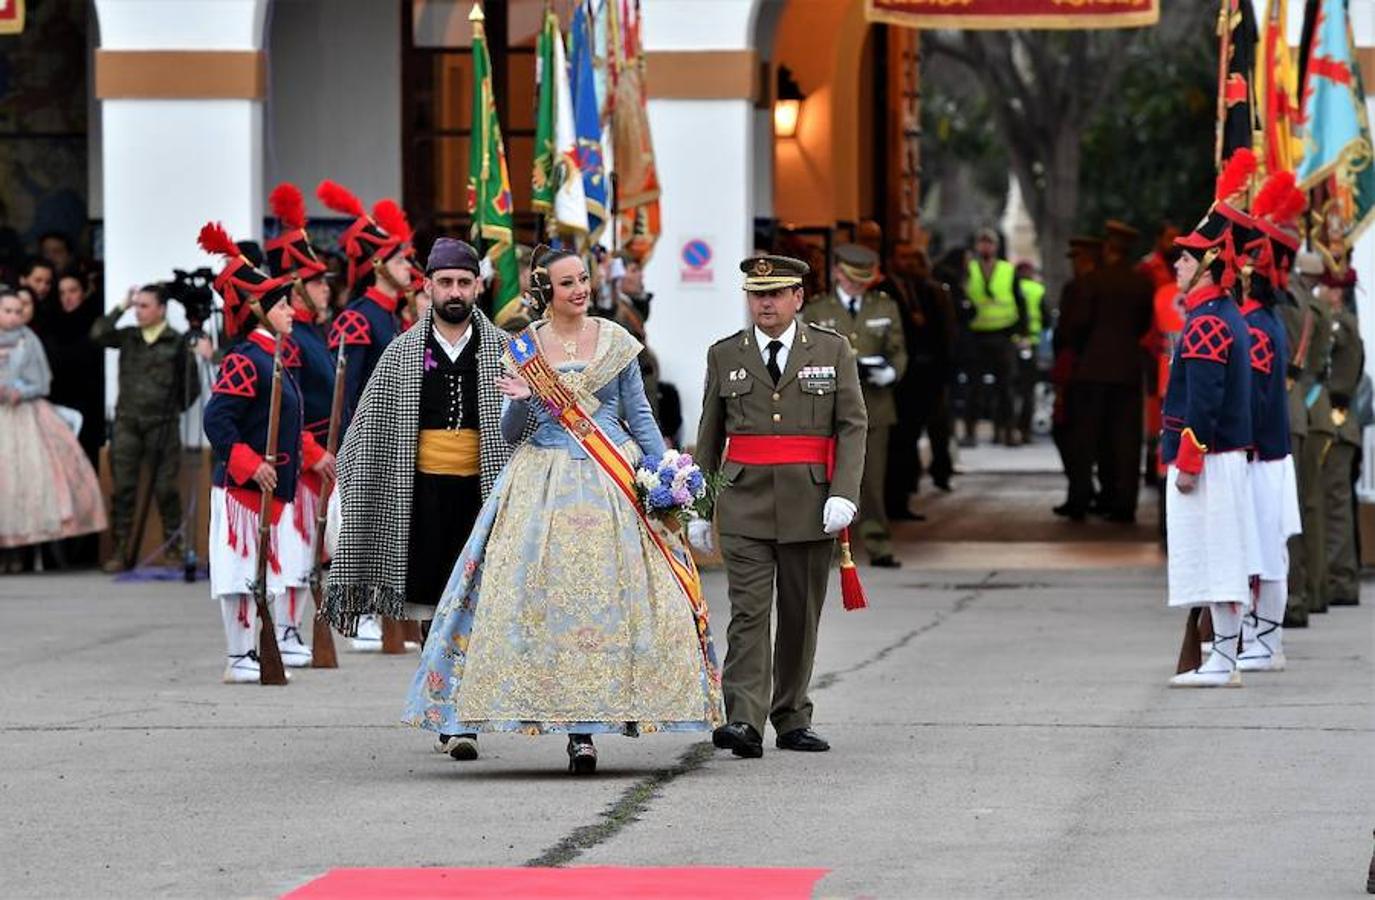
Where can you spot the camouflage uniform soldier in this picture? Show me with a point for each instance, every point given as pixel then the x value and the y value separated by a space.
pixel 154 390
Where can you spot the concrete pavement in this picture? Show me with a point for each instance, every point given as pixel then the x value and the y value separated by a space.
pixel 998 731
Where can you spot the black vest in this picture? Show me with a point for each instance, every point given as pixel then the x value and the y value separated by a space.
pixel 448 390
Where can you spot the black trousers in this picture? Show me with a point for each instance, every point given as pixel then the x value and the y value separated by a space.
pixel 443 510
pixel 923 406
pixel 1105 433
pixel 992 382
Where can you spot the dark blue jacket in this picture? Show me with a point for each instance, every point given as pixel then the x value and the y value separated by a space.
pixel 365 327
pixel 237 414
pixel 315 376
pixel 1269 397
pixel 1208 401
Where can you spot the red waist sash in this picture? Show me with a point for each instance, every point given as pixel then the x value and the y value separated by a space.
pixel 782 450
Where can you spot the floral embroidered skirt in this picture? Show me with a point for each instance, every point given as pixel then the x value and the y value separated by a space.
pixel 48 490
pixel 561 616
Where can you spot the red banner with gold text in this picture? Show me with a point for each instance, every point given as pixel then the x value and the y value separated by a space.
pixel 11 16
pixel 1005 14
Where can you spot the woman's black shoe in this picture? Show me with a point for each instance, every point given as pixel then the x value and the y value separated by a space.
pixel 582 756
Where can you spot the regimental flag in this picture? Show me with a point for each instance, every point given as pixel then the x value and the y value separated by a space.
pixel 489 183
pixel 1277 93
pixel 587 121
pixel 570 202
pixel 637 178
pixel 1336 134
pixel 542 184
pixel 1236 118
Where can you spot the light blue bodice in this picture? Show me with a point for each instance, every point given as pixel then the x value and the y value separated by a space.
pixel 624 414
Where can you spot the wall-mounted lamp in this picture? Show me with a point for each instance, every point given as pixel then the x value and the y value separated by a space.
pixel 787 104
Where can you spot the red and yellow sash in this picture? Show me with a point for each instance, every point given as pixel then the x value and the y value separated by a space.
pixel 544 382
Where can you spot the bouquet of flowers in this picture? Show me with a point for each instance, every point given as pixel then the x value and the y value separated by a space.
pixel 672 488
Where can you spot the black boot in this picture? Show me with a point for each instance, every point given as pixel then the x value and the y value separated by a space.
pixel 582 756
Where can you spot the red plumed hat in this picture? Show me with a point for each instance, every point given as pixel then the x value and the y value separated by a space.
pixel 290 253
pixel 365 241
pixel 1279 203
pixel 242 286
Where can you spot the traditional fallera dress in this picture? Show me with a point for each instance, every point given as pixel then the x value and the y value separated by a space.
pixel 564 613
pixel 48 490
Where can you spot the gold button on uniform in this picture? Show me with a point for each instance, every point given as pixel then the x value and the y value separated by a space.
pixel 777 395
pixel 777 417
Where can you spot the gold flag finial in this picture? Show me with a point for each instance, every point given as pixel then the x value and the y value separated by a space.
pixel 476 15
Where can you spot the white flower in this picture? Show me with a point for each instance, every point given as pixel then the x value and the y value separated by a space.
pixel 647 479
pixel 670 459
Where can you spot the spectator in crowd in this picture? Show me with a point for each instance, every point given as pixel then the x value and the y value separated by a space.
pixel 1084 257
pixel 38 276
pixel 631 311
pixel 999 321
pixel 26 306
pixel 56 248
pixel 48 489
pixel 78 363
pixel 155 388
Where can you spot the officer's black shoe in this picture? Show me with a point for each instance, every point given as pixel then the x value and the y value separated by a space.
pixel 1072 513
pixel 885 562
pixel 804 740
pixel 739 738
pixel 1344 601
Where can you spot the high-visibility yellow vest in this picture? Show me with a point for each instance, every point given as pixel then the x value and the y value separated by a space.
pixel 995 305
pixel 1033 292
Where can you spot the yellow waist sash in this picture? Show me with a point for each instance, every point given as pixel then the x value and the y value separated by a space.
pixel 445 452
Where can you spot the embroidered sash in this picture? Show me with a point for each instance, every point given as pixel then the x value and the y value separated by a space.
pixel 563 406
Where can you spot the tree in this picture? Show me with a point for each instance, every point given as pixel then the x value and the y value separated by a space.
pixel 1046 88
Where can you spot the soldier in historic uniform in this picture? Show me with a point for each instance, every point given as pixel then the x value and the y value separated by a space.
pixel 1269 245
pixel 157 382
pixel 237 425
pixel 872 321
pixel 1207 436
pixel 380 274
pixel 1346 367
pixel 783 421
pixel 292 258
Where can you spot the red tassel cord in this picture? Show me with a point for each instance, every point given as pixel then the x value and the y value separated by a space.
pixel 851 591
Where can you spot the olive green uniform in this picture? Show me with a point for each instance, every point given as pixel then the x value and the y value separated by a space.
pixel 154 390
pixel 1308 333
pixel 1348 361
pixel 769 517
pixel 875 331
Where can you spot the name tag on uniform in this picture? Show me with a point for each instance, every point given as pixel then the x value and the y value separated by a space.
pixel 817 379
pixel 883 322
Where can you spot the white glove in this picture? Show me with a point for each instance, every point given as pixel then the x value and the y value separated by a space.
pixel 837 515
pixel 699 535
pixel 882 377
pixel 334 517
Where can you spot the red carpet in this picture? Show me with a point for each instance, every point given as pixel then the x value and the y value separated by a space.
pixel 606 883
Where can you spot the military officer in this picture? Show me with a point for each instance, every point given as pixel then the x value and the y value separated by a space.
pixel 1308 330
pixel 1348 362
pixel 872 321
pixel 783 421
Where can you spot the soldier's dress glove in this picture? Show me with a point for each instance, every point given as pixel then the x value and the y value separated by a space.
pixel 699 535
pixel 883 376
pixel 837 514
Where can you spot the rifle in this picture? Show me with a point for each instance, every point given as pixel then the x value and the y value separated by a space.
pixel 271 670
pixel 322 641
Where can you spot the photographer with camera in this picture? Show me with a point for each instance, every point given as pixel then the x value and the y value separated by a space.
pixel 154 390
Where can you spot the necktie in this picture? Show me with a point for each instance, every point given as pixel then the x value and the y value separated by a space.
pixel 772 365
pixel 854 307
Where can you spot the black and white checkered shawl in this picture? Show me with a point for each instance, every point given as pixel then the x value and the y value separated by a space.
pixel 377 473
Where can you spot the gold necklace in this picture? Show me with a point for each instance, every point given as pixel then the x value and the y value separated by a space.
pixel 570 348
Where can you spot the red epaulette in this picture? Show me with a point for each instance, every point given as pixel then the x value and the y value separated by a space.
pixel 238 377
pixel 1206 338
pixel 352 328
pixel 1262 351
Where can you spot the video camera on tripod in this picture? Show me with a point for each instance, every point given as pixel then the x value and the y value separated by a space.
pixel 193 291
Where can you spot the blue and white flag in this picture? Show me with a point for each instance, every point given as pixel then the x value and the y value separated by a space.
pixel 587 121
